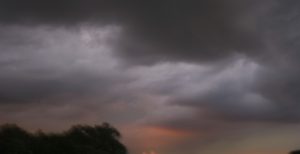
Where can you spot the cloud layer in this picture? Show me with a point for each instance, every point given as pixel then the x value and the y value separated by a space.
pixel 202 31
pixel 180 72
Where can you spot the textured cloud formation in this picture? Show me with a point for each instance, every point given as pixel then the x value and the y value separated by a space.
pixel 39 63
pixel 184 73
pixel 157 30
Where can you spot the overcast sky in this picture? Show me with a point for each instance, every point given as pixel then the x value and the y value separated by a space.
pixel 174 76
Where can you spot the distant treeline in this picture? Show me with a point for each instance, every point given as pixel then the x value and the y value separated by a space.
pixel 79 139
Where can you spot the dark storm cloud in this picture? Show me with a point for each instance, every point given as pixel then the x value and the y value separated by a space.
pixel 53 11
pixel 273 94
pixel 192 30
pixel 196 31
pixel 280 81
pixel 33 90
pixel 216 64
pixel 42 63
pixel 156 30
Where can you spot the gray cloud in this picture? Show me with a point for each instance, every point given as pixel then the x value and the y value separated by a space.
pixel 215 65
pixel 40 63
pixel 36 65
pixel 197 31
pixel 204 30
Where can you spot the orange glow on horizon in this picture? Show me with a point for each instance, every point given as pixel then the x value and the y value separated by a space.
pixel 150 152
pixel 155 137
pixel 166 132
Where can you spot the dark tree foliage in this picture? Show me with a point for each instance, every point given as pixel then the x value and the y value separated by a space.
pixel 80 139
pixel 295 152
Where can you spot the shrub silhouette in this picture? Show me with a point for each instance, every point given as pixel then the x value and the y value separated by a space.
pixel 80 139
pixel 295 152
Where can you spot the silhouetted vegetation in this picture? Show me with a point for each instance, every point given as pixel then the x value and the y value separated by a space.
pixel 295 152
pixel 80 139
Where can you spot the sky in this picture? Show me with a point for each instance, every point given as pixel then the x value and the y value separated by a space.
pixel 174 76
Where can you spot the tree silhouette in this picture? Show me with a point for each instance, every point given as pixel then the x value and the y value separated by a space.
pixel 79 139
pixel 295 152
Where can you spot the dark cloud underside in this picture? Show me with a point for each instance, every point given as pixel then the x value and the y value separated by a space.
pixel 170 30
pixel 192 30
pixel 191 66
